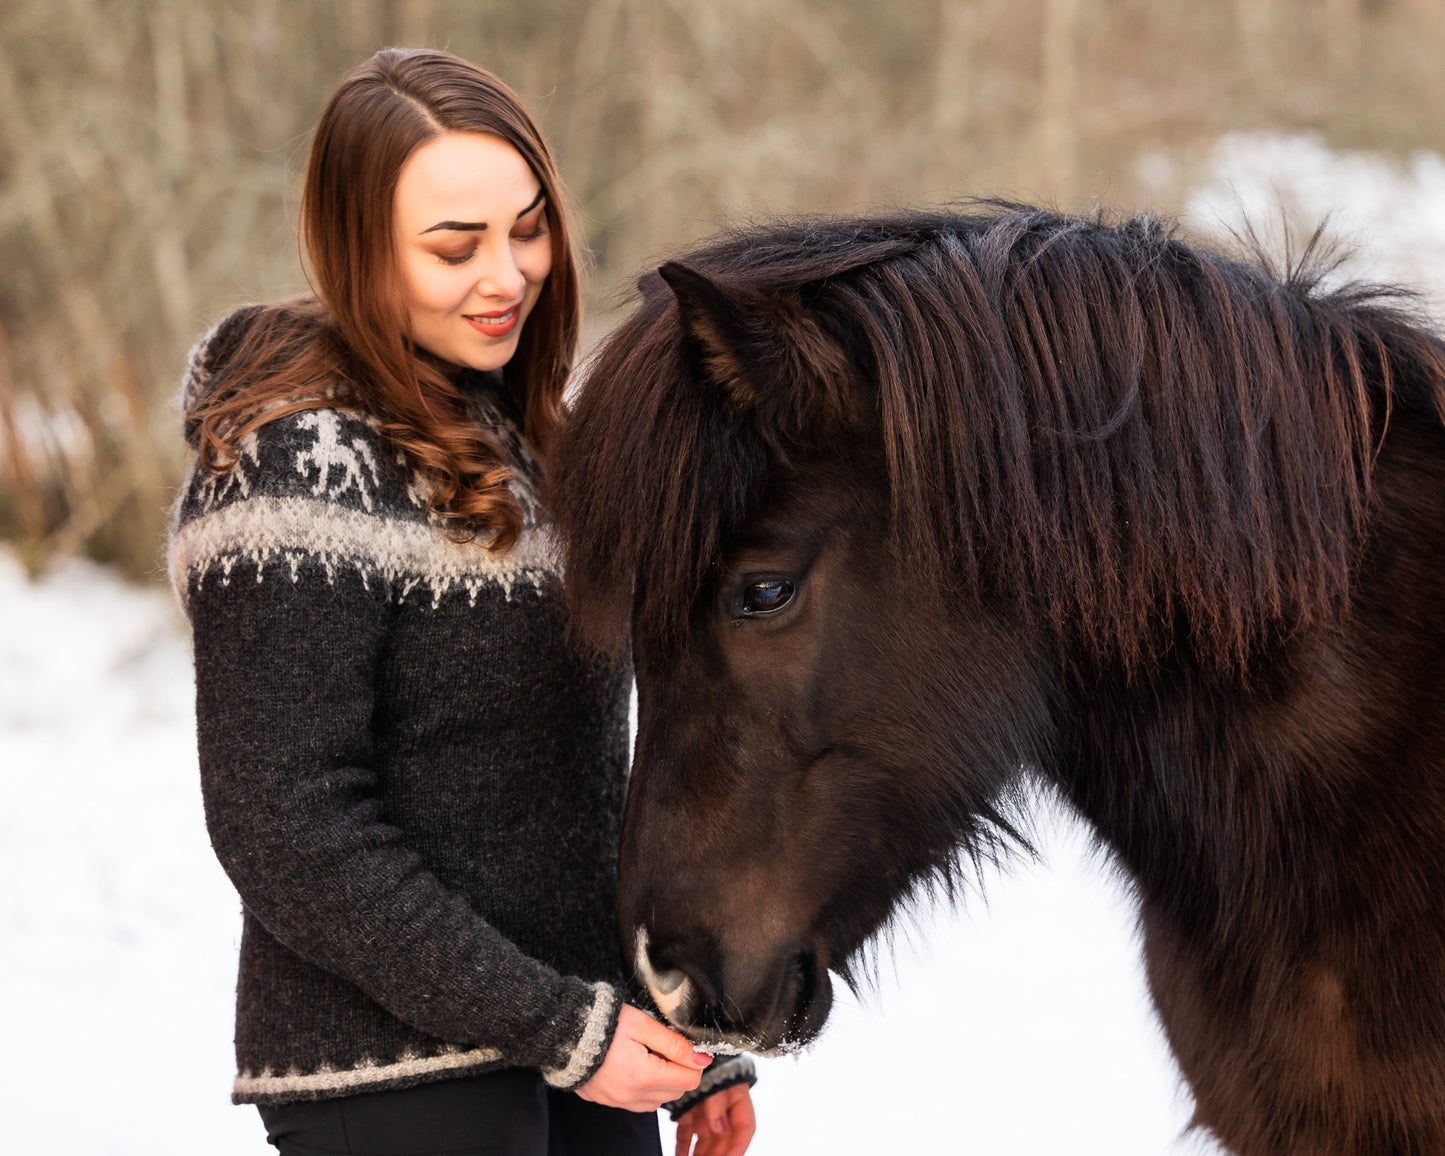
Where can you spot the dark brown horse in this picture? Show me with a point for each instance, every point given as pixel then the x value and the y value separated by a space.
pixel 904 516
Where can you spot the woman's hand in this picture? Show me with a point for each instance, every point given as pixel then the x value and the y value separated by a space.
pixel 723 1124
pixel 646 1065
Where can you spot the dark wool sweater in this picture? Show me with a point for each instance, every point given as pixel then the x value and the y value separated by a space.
pixel 413 782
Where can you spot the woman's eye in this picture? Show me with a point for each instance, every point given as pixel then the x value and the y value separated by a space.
pixel 767 595
pixel 455 258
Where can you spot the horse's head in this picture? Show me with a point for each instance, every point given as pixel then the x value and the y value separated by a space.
pixel 793 776
pixel 799 766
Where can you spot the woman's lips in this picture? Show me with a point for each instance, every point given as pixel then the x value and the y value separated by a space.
pixel 494 324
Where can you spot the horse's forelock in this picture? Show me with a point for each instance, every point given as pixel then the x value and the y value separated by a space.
pixel 649 474
pixel 652 468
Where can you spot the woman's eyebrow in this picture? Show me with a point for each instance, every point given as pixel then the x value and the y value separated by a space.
pixel 480 226
pixel 537 200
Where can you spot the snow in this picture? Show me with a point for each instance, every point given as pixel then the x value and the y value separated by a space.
pixel 1018 1024
pixel 119 929
pixel 1386 217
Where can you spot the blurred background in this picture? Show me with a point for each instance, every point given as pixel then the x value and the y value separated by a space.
pixel 149 156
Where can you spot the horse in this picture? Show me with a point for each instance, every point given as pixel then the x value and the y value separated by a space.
pixel 903 520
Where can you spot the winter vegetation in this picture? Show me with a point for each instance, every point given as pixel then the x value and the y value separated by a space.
pixel 149 150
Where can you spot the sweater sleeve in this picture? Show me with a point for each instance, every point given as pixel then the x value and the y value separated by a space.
pixel 287 646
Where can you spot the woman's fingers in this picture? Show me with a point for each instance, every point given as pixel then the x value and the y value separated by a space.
pixel 685 1132
pixel 660 1038
pixel 724 1124
pixel 676 1067
pixel 742 1120
pixel 639 1072
pixel 738 1123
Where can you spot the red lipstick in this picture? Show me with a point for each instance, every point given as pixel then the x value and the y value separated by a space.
pixel 497 324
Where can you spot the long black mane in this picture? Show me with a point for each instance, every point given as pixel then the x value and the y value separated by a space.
pixel 1100 420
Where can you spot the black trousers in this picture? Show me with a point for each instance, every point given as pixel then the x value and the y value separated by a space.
pixel 508 1113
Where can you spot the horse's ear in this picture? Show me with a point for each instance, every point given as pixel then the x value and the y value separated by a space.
pixel 763 349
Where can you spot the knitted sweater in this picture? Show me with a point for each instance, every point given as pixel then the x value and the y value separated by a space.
pixel 412 780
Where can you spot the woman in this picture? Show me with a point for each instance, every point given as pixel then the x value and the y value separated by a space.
pixel 412 780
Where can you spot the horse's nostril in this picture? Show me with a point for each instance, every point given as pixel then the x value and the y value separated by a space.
pixel 669 987
pixel 669 981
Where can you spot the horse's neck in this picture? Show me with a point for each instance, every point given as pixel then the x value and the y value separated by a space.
pixel 1296 774
pixel 1287 838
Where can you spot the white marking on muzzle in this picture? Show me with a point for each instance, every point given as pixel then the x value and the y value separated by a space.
pixel 671 990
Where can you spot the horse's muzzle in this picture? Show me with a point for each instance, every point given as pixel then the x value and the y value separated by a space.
pixel 733 1004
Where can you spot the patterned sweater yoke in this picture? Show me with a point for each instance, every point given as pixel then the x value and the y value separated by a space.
pixel 412 779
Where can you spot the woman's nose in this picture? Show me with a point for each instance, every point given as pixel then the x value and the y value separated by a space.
pixel 500 276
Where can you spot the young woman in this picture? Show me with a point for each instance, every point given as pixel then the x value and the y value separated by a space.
pixel 413 781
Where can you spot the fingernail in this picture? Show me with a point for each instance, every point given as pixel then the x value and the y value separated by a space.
pixel 701 1059
pixel 718 1125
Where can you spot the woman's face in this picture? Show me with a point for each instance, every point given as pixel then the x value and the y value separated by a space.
pixel 473 251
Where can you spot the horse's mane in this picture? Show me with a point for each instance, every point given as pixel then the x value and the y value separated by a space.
pixel 1117 428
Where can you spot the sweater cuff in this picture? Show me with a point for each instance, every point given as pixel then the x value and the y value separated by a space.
pixel 723 1072
pixel 591 1048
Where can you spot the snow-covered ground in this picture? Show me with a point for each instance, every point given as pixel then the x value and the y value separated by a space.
pixel 1015 1026
pixel 118 931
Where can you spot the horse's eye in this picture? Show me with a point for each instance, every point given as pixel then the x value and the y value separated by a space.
pixel 767 595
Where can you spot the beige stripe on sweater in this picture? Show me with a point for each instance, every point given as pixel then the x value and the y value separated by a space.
pixel 284 532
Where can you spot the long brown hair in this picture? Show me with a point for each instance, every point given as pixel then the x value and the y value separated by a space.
pixel 351 344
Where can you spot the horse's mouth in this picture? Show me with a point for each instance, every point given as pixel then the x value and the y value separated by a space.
pixel 807 997
pixel 724 1043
